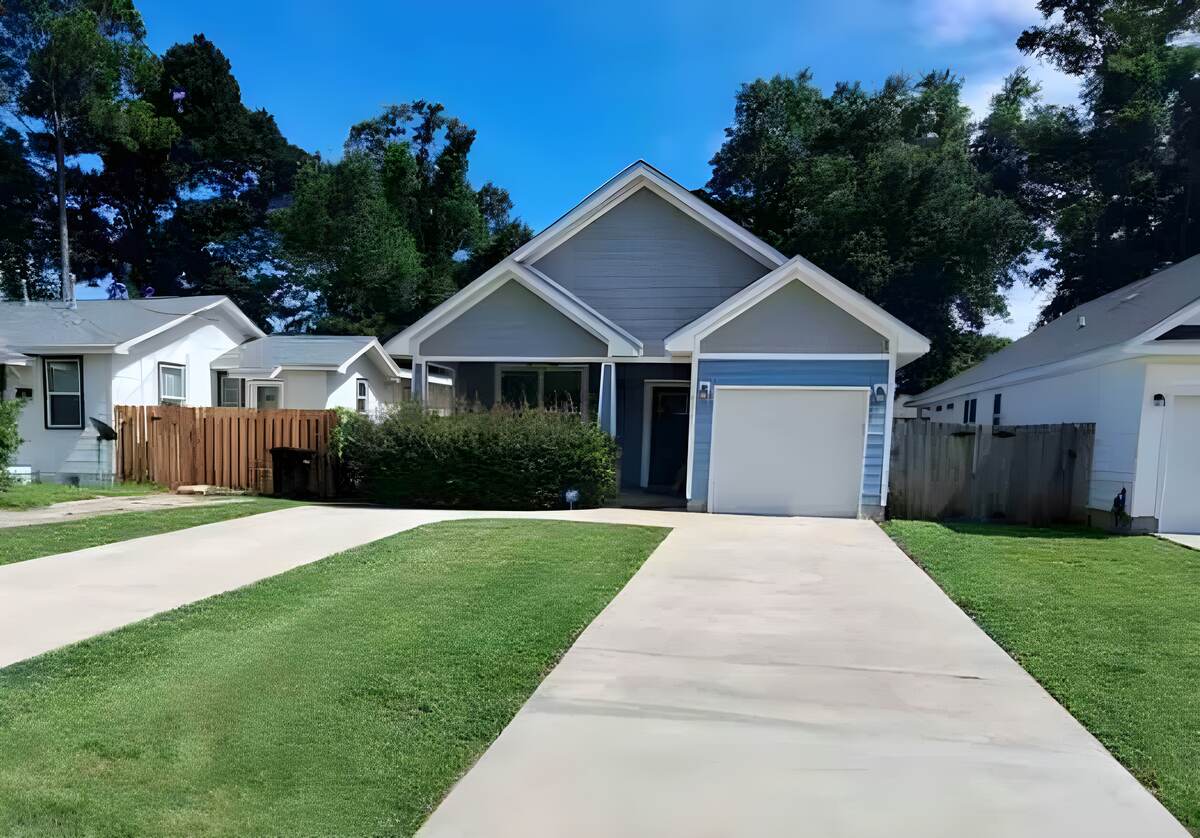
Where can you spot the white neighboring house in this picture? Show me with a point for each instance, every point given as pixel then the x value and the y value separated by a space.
pixel 1129 362
pixel 75 363
pixel 310 372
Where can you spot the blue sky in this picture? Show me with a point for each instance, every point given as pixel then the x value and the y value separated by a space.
pixel 564 94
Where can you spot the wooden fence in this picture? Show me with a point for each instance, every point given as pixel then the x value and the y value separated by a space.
pixel 220 446
pixel 1029 474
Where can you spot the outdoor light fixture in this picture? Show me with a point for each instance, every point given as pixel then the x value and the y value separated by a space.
pixel 704 391
pixel 1160 400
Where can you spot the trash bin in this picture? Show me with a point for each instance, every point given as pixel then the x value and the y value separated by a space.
pixel 293 472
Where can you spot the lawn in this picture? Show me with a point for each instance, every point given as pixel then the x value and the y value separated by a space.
pixel 1110 625
pixel 31 495
pixel 341 698
pixel 35 540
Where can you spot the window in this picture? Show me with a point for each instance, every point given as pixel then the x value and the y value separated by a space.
pixel 63 392
pixel 360 395
pixel 939 409
pixel 969 411
pixel 229 390
pixel 973 403
pixel 950 406
pixel 996 409
pixel 172 384
pixel 554 388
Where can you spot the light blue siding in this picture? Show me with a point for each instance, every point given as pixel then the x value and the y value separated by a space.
pixel 796 374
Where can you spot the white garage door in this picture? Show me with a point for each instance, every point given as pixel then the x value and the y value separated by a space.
pixel 781 451
pixel 1181 488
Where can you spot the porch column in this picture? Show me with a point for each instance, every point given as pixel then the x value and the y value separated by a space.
pixel 607 409
pixel 418 380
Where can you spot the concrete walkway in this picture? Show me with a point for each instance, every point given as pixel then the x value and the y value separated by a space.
pixel 757 677
pixel 1186 539
pixel 73 509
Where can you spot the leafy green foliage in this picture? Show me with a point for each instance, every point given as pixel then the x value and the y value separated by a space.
pixel 25 229
pixel 497 459
pixel 1106 623
pixel 10 436
pixel 342 698
pixel 1115 180
pixel 880 189
pixel 395 227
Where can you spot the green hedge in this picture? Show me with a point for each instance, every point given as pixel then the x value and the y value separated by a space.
pixel 10 438
pixel 496 459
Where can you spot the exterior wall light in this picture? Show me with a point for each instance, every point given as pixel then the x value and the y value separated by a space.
pixel 1160 400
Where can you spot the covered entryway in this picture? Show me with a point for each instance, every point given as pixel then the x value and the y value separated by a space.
pixel 1181 487
pixel 788 450
pixel 665 436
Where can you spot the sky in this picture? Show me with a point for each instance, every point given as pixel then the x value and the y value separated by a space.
pixel 565 94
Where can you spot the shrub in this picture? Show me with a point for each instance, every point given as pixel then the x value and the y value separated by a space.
pixel 496 459
pixel 10 439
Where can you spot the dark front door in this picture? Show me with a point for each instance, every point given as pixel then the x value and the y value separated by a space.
pixel 668 438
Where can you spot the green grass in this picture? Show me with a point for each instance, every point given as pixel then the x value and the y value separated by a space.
pixel 31 495
pixel 35 540
pixel 341 698
pixel 1110 625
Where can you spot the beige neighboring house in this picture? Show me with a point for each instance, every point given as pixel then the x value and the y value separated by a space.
pixel 310 372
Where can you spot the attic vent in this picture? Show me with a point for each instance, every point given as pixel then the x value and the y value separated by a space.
pixel 1082 322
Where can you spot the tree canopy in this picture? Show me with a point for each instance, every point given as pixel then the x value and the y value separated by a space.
pixel 880 189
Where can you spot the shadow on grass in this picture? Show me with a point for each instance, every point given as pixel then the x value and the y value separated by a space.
pixel 1003 530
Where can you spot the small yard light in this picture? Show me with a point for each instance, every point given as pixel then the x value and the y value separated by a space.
pixel 571 496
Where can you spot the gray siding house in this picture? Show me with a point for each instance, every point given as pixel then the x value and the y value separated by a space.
pixel 730 375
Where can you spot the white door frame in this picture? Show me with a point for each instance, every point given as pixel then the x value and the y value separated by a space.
pixel 648 388
pixel 252 386
pixel 711 502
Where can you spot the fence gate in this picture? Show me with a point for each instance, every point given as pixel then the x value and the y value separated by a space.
pixel 1029 474
pixel 220 446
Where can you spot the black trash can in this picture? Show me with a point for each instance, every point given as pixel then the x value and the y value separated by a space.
pixel 293 472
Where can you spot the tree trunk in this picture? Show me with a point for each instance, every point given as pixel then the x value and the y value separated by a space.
pixel 60 164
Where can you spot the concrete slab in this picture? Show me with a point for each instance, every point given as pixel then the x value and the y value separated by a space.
pixel 765 677
pixel 71 510
pixel 1190 540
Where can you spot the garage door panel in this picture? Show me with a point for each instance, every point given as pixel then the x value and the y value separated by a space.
pixel 787 451
pixel 1181 488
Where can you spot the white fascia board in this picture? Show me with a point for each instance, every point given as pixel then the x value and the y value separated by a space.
pixel 226 304
pixel 381 358
pixel 1162 327
pixel 574 300
pixel 10 358
pixel 67 349
pixel 629 180
pixel 906 341
pixel 553 294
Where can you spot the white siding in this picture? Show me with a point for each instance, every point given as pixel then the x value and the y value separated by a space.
pixel 380 391
pixel 135 376
pixel 1108 395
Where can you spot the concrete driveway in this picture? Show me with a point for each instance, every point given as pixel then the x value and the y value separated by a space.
pixel 776 677
pixel 757 677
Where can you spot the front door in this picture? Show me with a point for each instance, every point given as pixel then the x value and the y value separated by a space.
pixel 668 438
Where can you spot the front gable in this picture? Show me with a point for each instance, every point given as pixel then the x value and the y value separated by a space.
pixel 511 321
pixel 649 267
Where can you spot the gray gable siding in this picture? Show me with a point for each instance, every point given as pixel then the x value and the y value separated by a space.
pixel 795 319
pixel 649 268
pixel 512 321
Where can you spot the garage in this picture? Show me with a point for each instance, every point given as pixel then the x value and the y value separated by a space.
pixel 788 450
pixel 1181 486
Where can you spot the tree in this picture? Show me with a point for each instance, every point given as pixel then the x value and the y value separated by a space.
pixel 79 67
pixel 24 231
pixel 395 227
pixel 880 189
pixel 1114 181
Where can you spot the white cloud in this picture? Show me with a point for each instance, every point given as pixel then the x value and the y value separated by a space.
pixel 957 21
pixel 982 84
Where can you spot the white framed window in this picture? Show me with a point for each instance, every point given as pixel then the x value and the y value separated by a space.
pixel 172 383
pixel 229 390
pixel 552 387
pixel 63 389
pixel 265 395
pixel 360 395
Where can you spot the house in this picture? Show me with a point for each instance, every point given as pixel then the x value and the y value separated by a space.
pixel 729 374
pixel 1130 363
pixel 310 372
pixel 74 363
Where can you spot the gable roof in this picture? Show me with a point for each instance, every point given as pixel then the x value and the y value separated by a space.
pixel 634 177
pixel 906 341
pixel 272 354
pixel 1118 320
pixel 105 325
pixel 620 341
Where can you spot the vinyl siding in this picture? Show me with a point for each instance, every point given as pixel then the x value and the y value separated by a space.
pixel 649 268
pixel 796 374
pixel 513 321
pixel 795 318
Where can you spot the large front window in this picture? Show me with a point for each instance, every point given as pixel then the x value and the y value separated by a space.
pixel 64 392
pixel 554 388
